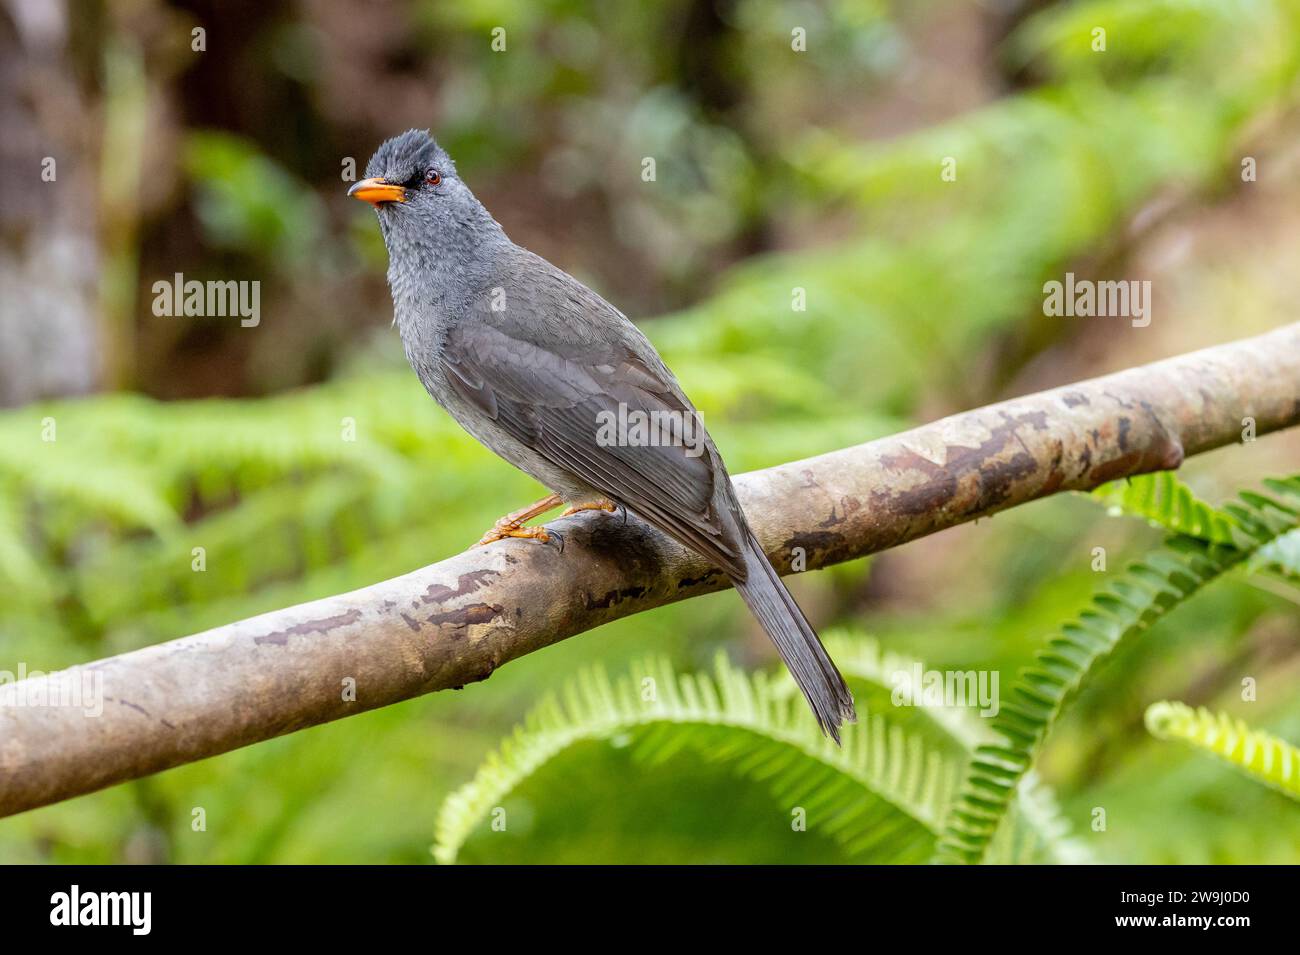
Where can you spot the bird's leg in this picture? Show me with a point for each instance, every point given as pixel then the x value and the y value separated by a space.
pixel 600 505
pixel 512 525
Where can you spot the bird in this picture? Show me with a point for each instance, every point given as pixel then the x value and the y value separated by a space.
pixel 534 364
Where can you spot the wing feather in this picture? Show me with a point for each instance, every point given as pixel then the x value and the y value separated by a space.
pixel 552 397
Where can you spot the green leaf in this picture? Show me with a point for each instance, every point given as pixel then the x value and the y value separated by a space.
pixel 882 795
pixel 1044 833
pixel 1150 589
pixel 1260 755
pixel 1167 502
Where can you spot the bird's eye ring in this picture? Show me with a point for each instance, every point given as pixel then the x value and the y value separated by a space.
pixel 432 176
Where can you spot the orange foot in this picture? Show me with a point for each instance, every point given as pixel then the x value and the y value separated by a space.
pixel 601 505
pixel 512 525
pixel 503 531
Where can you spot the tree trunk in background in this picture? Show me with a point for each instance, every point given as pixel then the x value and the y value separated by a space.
pixel 49 263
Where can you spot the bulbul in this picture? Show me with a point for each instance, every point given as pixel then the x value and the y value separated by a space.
pixel 536 366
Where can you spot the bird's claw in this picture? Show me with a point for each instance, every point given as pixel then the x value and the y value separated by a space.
pixel 502 531
pixel 512 524
pixel 601 505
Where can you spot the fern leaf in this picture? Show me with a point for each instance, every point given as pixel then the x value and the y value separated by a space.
pixel 1167 502
pixel 883 794
pixel 1150 589
pixel 1041 833
pixel 861 658
pixel 1260 755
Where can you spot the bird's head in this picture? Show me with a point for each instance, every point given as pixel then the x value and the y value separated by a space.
pixel 412 183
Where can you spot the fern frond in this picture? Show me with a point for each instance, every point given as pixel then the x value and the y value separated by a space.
pixel 1146 592
pixel 119 492
pixel 882 794
pixel 1040 832
pixel 861 658
pixel 1167 502
pixel 1048 833
pixel 1260 755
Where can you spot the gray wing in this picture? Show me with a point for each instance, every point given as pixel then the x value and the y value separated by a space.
pixel 551 382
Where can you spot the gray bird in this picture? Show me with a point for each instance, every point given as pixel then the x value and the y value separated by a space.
pixel 534 365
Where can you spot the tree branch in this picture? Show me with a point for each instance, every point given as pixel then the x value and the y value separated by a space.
pixel 456 621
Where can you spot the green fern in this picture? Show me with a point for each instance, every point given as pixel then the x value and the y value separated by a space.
pixel 1167 502
pixel 1044 833
pixel 1282 555
pixel 107 514
pixel 882 794
pixel 1260 755
pixel 1149 590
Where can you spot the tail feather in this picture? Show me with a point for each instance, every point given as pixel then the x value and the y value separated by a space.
pixel 795 639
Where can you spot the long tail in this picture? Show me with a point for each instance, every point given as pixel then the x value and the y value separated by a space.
pixel 795 640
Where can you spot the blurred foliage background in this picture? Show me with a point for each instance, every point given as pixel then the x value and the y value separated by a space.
pixel 776 169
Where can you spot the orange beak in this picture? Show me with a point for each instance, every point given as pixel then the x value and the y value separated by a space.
pixel 375 191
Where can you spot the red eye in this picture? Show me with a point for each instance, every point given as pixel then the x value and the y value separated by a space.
pixel 433 177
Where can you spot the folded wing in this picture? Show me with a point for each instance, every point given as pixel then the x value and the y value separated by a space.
pixel 564 397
